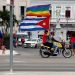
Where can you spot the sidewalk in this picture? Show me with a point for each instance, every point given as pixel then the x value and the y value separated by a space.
pixel 37 73
pixel 7 52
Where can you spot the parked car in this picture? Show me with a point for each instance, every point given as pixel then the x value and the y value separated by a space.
pixel 33 43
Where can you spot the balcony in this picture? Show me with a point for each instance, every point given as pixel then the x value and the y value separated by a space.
pixel 63 21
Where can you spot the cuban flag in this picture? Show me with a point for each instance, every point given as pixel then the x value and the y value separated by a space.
pixel 34 24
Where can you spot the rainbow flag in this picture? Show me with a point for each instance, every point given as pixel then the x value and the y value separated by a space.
pixel 40 11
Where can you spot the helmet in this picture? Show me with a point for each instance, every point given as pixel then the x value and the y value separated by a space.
pixel 45 31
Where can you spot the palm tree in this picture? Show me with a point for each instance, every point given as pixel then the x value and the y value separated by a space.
pixel 5 16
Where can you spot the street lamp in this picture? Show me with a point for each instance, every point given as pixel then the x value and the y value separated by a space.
pixel 11 4
pixel 58 27
pixel 58 24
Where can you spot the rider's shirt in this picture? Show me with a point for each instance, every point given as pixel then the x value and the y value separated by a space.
pixel 72 39
pixel 44 38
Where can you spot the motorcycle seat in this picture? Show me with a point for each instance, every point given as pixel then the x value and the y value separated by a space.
pixel 45 46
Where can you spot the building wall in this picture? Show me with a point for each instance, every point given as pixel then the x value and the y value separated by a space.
pixel 2 3
pixel 62 10
pixel 17 5
pixel 63 4
pixel 60 3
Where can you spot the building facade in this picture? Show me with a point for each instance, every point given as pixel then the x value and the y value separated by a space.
pixel 19 7
pixel 62 12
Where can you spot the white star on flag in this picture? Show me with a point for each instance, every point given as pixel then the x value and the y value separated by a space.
pixel 44 23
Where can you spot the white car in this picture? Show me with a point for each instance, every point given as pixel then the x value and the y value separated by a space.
pixel 33 43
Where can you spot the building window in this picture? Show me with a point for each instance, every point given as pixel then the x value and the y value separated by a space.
pixel 4 8
pixel 58 11
pixel 67 13
pixel 22 8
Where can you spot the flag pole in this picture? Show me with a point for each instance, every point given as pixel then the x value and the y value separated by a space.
pixel 49 19
pixel 49 23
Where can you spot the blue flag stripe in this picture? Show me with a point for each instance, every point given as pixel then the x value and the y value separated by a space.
pixel 27 24
pixel 32 29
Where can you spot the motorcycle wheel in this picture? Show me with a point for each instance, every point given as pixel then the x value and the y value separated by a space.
pixel 42 53
pixel 67 53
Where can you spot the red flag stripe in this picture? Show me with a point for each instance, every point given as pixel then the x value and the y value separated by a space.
pixel 44 23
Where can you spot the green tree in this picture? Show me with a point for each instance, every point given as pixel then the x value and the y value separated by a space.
pixel 5 16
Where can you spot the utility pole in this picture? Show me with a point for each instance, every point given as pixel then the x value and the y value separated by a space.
pixel 11 4
pixel 11 38
pixel 11 34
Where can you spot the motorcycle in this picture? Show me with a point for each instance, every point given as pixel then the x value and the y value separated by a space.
pixel 57 48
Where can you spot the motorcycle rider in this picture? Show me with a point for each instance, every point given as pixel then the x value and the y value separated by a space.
pixel 44 39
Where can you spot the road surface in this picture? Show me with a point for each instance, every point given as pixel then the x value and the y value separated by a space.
pixel 29 59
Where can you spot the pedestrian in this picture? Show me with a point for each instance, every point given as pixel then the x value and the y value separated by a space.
pixel 3 48
pixel 23 40
pixel 15 40
pixel 1 39
pixel 68 43
pixel 72 39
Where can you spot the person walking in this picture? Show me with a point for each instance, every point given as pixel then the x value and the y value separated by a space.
pixel 14 40
pixel 23 40
pixel 72 40
pixel 1 39
pixel 2 46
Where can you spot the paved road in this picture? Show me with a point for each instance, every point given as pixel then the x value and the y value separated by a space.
pixel 29 59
